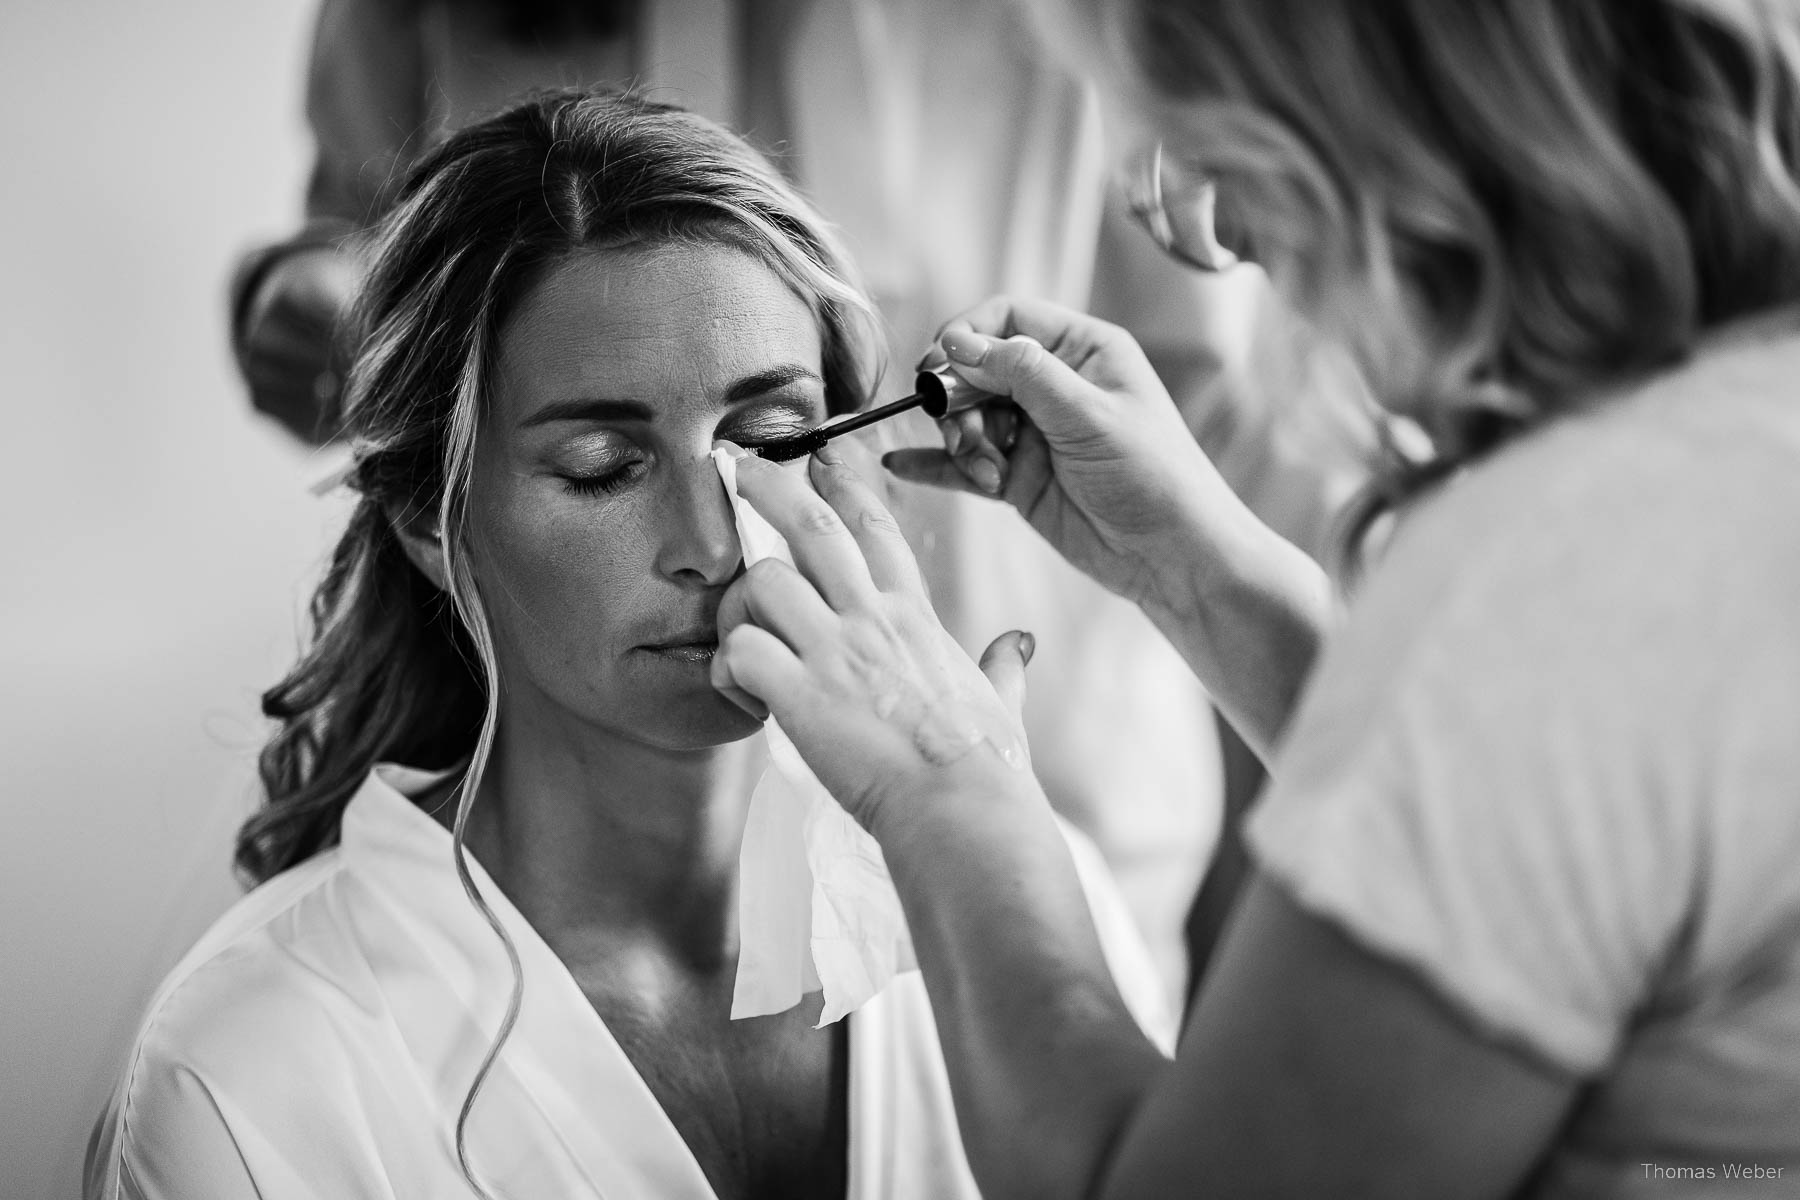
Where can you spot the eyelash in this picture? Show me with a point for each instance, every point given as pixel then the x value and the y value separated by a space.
pixel 608 482
pixel 751 440
pixel 604 483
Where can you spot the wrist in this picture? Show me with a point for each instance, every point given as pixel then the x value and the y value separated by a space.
pixel 959 805
pixel 1218 549
pixel 1249 611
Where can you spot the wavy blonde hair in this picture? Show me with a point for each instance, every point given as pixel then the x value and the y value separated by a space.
pixel 396 670
pixel 1498 205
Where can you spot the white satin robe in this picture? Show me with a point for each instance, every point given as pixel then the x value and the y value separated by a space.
pixel 317 1043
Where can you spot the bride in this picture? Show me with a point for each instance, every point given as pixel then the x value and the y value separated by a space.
pixel 500 759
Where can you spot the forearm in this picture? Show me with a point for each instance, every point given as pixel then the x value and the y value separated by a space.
pixel 1249 612
pixel 1046 1063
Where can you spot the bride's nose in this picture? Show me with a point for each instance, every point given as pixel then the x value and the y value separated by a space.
pixel 699 543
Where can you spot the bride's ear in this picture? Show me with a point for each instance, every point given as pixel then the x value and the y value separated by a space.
pixel 417 529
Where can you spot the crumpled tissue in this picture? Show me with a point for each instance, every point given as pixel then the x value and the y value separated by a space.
pixel 816 907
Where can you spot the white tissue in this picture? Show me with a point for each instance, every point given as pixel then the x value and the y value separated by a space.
pixel 816 908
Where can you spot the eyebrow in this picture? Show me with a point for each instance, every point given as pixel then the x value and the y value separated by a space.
pixel 764 382
pixel 598 409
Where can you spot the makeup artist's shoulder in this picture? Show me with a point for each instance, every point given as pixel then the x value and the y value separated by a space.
pixel 250 994
pixel 1653 468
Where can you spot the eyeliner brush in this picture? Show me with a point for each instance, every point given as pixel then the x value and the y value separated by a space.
pixel 939 394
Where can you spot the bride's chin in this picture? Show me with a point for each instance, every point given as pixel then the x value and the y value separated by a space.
pixel 708 722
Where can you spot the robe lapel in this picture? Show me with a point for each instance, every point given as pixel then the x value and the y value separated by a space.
pixel 563 1102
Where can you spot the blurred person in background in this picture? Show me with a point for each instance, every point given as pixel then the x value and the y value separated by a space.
pixel 1524 918
pixel 503 725
pixel 957 162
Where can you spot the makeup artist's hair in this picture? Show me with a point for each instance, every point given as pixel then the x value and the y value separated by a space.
pixel 1558 193
pixel 397 671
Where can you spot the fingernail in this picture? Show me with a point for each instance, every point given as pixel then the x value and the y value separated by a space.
pixel 1027 647
pixel 986 476
pixel 965 347
pixel 953 439
pixel 732 448
pixel 828 454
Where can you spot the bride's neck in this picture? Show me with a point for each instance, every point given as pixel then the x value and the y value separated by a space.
pixel 599 837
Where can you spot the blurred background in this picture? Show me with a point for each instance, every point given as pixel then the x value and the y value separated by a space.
pixel 157 535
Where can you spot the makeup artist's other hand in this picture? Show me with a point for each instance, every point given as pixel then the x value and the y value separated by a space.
pixel 292 351
pixel 1101 464
pixel 844 649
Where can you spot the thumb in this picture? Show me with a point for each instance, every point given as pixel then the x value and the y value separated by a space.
pixel 1003 662
pixel 1053 394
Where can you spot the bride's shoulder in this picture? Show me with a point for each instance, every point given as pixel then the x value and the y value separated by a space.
pixel 245 1034
pixel 240 993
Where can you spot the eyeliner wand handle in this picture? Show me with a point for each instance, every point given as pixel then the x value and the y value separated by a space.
pixel 939 393
pixel 862 420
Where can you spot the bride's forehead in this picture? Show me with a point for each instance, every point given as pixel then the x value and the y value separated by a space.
pixel 659 302
pixel 660 326
pixel 649 286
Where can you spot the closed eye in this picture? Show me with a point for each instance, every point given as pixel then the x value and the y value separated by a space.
pixel 606 482
pixel 776 425
pixel 755 441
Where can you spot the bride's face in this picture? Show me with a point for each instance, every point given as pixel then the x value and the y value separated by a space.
pixel 602 538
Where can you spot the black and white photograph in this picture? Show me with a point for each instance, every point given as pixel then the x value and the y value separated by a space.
pixel 900 600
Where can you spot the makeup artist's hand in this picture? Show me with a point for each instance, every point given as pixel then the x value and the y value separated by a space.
pixel 1102 463
pixel 844 649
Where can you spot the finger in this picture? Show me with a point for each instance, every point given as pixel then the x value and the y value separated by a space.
pixel 823 548
pixel 933 468
pixel 960 429
pixel 985 466
pixel 1030 472
pixel 725 684
pixel 889 559
pixel 1000 424
pixel 861 451
pixel 773 596
pixel 1050 391
pixel 1066 332
pixel 1003 662
pixel 755 664
pixel 979 440
pixel 993 316
pixel 965 445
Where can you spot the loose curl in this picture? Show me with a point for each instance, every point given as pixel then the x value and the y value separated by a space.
pixel 1498 205
pixel 397 670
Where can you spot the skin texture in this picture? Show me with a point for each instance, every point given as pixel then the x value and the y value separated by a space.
pixel 581 582
pixel 1311 1065
pixel 613 809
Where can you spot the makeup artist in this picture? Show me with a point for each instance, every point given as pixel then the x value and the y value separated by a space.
pixel 1525 919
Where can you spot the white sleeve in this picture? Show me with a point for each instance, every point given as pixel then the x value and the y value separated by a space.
pixel 1127 957
pixel 165 1136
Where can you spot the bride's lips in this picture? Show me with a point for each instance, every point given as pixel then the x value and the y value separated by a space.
pixel 691 652
pixel 693 646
